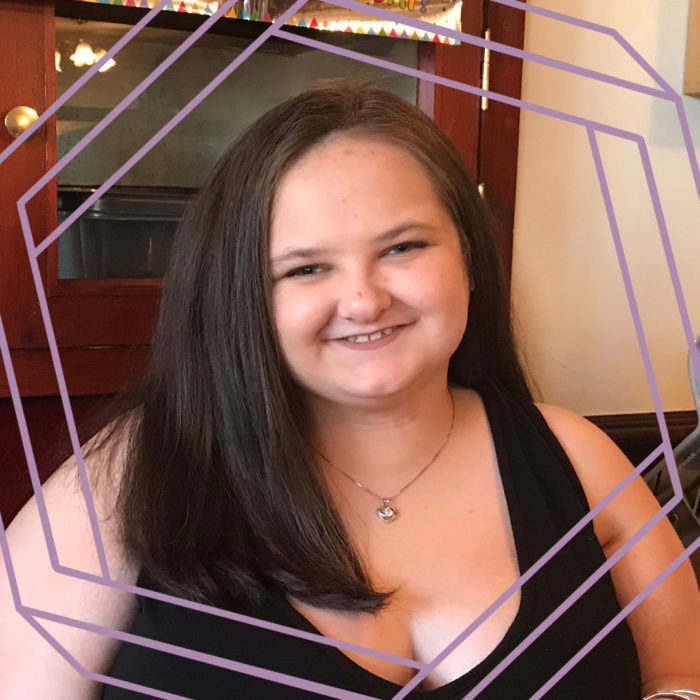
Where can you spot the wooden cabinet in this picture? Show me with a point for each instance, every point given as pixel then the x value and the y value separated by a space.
pixel 102 327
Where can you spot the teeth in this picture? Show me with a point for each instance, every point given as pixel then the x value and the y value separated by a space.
pixel 365 338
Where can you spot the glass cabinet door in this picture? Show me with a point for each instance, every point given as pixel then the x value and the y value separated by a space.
pixel 128 231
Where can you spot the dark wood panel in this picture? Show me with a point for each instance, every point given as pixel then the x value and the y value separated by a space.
pixel 500 123
pixel 637 434
pixel 103 320
pixel 50 441
pixel 25 58
pixel 92 370
pixel 457 112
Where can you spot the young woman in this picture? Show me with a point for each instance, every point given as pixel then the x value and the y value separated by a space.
pixel 335 434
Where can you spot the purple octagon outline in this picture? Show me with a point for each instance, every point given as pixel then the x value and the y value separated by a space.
pixel 276 28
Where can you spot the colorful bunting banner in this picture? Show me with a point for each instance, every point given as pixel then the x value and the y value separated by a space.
pixel 325 16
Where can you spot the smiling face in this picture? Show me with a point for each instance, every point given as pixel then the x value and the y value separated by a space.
pixel 360 244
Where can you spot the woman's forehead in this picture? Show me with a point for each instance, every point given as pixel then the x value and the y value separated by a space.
pixel 351 184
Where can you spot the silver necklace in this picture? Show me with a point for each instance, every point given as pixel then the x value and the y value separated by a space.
pixel 387 512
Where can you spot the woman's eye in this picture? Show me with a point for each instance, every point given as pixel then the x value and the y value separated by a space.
pixel 406 246
pixel 305 271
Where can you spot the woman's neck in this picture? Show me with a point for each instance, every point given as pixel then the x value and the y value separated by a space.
pixel 385 445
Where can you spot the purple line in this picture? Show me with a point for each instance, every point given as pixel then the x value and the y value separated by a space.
pixel 601 29
pixel 524 578
pixel 127 685
pixel 65 401
pixel 42 296
pixel 669 92
pixel 85 673
pixel 199 656
pixel 617 619
pixel 29 452
pixel 455 84
pixel 493 45
pixel 689 147
pixel 82 80
pixel 571 599
pixel 673 271
pixel 231 615
pixel 390 16
pixel 108 119
pixel 632 301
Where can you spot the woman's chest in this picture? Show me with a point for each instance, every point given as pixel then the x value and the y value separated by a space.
pixel 447 563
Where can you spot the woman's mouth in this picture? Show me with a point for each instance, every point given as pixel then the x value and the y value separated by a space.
pixel 367 338
pixel 371 341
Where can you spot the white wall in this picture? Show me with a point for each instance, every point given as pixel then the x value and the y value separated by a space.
pixel 575 323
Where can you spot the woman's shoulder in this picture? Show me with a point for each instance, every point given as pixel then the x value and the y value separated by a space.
pixel 61 520
pixel 601 466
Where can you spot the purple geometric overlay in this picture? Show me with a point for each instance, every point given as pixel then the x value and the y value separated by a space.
pixel 663 91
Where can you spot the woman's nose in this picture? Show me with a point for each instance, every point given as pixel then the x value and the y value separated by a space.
pixel 363 297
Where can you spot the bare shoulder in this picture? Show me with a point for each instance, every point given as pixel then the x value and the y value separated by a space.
pixel 60 520
pixel 600 466
pixel 667 660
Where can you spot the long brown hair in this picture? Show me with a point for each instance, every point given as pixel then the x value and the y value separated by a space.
pixel 220 494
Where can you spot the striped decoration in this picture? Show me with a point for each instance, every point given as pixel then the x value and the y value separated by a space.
pixel 306 19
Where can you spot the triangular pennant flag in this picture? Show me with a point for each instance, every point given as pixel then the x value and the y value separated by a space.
pixel 302 23
pixel 381 32
pixel 144 4
pixel 371 32
pixel 266 17
pixel 415 35
pixel 314 23
pixel 117 2
pixel 404 34
pixel 325 23
pixel 254 16
pixel 436 39
pixel 244 15
pixel 360 30
pixel 446 40
pixel 425 37
pixel 130 3
pixel 348 29
pixel 393 33
pixel 182 8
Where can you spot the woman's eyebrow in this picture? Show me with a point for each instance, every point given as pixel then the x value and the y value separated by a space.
pixel 314 252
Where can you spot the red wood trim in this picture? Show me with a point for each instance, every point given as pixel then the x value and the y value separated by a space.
pixel 456 112
pixel 498 146
pixel 95 370
pixel 637 434
pixel 644 426
pixel 104 320
pixel 48 261
pixel 23 74
pixel 105 287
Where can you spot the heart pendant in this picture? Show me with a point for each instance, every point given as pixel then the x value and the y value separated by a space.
pixel 387 513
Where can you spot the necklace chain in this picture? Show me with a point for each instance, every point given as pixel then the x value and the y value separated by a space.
pixel 386 512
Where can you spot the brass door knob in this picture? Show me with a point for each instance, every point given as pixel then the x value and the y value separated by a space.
pixel 18 119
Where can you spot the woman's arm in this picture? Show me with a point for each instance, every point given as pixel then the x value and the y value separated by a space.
pixel 29 667
pixel 666 625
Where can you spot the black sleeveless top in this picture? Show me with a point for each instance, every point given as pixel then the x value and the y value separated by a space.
pixel 544 499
